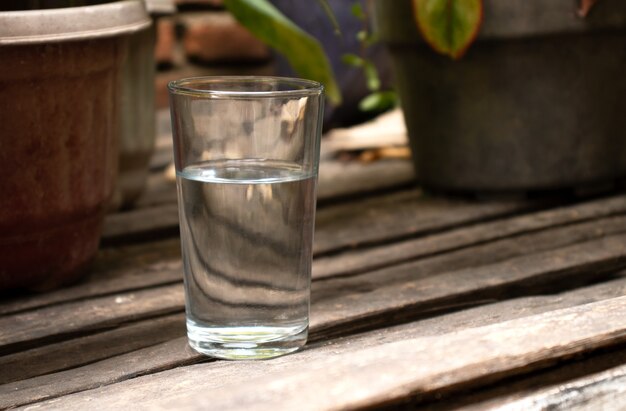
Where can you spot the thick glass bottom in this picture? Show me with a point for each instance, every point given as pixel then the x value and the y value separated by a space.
pixel 246 343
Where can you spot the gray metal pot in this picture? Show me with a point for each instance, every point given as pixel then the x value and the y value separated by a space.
pixel 137 109
pixel 538 102
pixel 137 117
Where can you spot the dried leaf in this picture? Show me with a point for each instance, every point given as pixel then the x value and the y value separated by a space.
pixel 585 6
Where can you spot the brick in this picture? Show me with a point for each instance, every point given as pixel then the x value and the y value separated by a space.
pixel 216 37
pixel 191 70
pixel 166 40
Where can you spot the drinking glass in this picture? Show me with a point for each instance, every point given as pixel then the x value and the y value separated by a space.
pixel 247 153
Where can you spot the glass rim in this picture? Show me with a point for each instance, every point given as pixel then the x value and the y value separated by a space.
pixel 300 87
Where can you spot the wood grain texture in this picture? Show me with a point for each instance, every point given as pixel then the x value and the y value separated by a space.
pixel 401 215
pixel 337 179
pixel 159 190
pixel 91 348
pixel 382 374
pixel 151 359
pixel 491 396
pixel 373 297
pixel 142 224
pixel 604 391
pixel 377 374
pixel 155 263
pixel 354 302
pixel 175 353
pixel 360 260
pixel 128 268
pixel 361 221
pixel 28 329
pixel 141 362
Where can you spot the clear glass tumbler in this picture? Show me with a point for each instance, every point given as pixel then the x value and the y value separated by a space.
pixel 247 154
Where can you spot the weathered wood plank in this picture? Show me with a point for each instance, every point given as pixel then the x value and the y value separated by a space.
pixel 466 318
pixel 152 359
pixel 478 256
pixel 394 370
pixel 361 221
pixel 604 391
pixel 91 348
pixel 374 375
pixel 142 224
pixel 576 368
pixel 175 353
pixel 337 179
pixel 28 329
pixel 401 215
pixel 115 270
pixel 371 298
pixel 156 263
pixel 361 260
pixel 347 302
pixel 159 190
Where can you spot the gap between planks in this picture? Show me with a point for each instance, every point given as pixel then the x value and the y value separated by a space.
pixel 351 302
pixel 344 299
pixel 370 220
pixel 139 266
pixel 321 323
pixel 176 353
pixel 377 374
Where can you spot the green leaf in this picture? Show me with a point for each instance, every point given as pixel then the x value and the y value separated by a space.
pixel 449 26
pixel 371 76
pixel 352 60
pixel 378 101
pixel 331 16
pixel 303 52
pixel 357 11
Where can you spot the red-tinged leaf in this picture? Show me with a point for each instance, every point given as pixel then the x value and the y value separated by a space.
pixel 585 6
pixel 449 26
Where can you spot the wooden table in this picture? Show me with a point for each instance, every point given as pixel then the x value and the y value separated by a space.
pixel 417 301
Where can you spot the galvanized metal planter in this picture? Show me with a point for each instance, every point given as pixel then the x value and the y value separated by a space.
pixel 137 117
pixel 537 103
pixel 137 109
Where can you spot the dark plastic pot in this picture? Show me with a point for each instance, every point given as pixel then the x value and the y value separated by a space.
pixel 537 103
pixel 59 82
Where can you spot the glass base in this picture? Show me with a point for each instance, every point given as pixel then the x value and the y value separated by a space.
pixel 246 343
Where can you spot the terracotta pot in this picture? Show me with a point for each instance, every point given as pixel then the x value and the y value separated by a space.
pixel 537 103
pixel 59 90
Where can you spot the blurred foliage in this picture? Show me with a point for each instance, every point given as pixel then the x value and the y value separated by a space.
pixel 303 52
pixel 377 100
pixel 450 26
